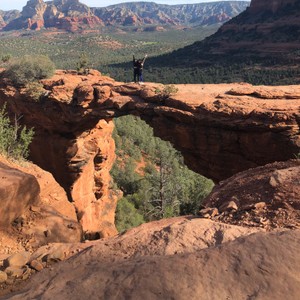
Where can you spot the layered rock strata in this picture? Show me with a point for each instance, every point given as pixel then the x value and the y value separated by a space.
pixel 68 15
pixel 73 15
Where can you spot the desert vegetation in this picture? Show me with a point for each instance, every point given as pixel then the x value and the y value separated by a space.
pixel 14 139
pixel 111 53
pixel 152 176
pixel 27 69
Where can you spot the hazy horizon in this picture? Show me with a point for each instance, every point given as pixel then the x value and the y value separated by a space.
pixel 19 4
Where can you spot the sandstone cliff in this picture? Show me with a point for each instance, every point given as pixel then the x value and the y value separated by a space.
pixel 68 15
pixel 147 13
pixel 80 155
pixel 72 15
pixel 220 129
pixel 8 16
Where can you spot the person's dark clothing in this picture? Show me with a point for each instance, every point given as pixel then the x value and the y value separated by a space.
pixel 138 69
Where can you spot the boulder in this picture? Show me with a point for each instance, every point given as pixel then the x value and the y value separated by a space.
pixel 50 219
pixel 18 191
pixel 36 265
pixel 3 277
pixel 17 260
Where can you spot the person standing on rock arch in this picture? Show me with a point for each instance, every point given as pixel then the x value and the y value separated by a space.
pixel 138 65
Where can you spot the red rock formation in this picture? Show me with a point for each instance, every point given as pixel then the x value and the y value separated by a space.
pixel 34 8
pixel 33 12
pixel 68 15
pixel 17 192
pixel 2 23
pixel 73 24
pixel 213 125
pixel 220 129
pixel 53 12
pixel 35 209
pixel 79 156
pixel 35 24
pixel 95 202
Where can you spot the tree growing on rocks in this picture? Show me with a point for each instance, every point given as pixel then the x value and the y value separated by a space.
pixel 14 139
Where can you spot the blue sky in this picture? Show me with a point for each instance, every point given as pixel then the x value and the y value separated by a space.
pixel 18 4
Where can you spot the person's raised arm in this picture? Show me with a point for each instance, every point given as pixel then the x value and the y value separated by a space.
pixel 144 58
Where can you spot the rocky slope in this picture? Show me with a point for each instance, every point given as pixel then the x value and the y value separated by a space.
pixel 71 15
pixel 269 197
pixel 265 29
pixel 8 16
pixel 264 266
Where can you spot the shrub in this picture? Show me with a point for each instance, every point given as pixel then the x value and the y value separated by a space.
pixel 14 140
pixel 82 64
pixel 34 90
pixel 6 58
pixel 29 69
pixel 127 215
pixel 167 91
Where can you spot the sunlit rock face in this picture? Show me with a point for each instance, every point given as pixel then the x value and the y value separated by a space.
pixel 68 15
pixel 220 129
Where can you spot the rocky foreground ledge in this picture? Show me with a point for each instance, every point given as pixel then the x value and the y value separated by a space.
pixel 171 259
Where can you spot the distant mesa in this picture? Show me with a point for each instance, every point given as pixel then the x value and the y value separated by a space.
pixel 71 15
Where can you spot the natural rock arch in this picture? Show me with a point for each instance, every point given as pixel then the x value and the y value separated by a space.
pixel 220 130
